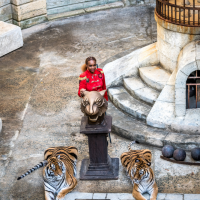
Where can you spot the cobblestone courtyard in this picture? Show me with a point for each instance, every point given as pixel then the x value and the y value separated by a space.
pixel 40 108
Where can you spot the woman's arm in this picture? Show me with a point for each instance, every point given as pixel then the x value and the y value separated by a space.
pixel 104 87
pixel 82 85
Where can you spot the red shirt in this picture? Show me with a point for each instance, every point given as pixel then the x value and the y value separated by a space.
pixel 92 81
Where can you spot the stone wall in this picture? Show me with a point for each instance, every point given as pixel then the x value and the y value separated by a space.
pixel 60 6
pixel 5 11
pixel 26 13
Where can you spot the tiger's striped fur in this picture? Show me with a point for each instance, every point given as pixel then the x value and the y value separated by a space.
pixel 41 164
pixel 137 164
pixel 59 171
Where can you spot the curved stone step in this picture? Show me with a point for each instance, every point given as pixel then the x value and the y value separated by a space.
pixel 154 76
pixel 124 101
pixel 133 129
pixel 140 90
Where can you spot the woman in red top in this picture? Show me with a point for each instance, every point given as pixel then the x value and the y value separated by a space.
pixel 92 78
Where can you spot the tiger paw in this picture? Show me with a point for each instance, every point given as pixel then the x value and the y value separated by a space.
pixel 60 196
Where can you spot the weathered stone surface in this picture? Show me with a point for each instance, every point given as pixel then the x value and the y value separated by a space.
pixel 78 195
pixel 118 4
pixel 10 21
pixel 161 115
pixel 180 96
pixel 99 196
pixel 180 80
pixel 170 51
pixel 166 63
pixel 5 12
pixel 4 2
pixel 148 56
pixel 63 6
pixel 185 141
pixel 20 2
pixel 0 125
pixel 128 104
pixel 31 22
pixel 66 14
pixel 175 38
pixel 128 196
pixel 167 94
pixel 137 88
pixel 167 172
pixel 170 44
pixel 187 55
pixel 180 110
pixel 10 38
pixel 154 76
pixel 191 196
pixel 189 123
pixel 128 65
pixel 29 10
pixel 189 68
pixel 127 127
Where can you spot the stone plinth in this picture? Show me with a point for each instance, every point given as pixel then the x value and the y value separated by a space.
pixel 10 38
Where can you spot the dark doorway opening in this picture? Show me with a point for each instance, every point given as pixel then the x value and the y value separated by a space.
pixel 193 90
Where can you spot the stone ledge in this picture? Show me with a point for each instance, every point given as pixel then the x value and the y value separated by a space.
pixel 31 22
pixel 133 129
pixel 118 4
pixel 20 2
pixel 66 14
pixel 10 38
pixel 128 196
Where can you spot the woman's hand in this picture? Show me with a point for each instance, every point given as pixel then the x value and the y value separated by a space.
pixel 82 91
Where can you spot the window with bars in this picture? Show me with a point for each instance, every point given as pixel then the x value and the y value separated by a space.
pixel 193 90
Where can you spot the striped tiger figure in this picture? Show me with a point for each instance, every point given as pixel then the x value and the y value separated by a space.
pixel 59 171
pixel 137 164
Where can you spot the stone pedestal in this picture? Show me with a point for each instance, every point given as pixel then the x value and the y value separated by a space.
pixel 10 38
pixel 99 166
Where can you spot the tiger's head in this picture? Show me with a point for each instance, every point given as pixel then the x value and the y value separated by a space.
pixel 94 105
pixel 140 170
pixel 55 167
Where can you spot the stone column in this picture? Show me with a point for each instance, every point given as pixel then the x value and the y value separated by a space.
pixel 171 38
pixel 27 13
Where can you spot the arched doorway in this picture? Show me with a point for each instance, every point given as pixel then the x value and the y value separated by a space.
pixel 193 90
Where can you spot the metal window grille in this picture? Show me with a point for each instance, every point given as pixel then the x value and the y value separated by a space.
pixel 193 90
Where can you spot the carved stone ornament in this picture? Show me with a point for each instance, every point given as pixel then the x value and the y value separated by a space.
pixel 94 106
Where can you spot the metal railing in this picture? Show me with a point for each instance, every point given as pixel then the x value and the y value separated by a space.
pixel 178 12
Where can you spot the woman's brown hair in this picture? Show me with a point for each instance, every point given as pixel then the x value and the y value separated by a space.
pixel 84 67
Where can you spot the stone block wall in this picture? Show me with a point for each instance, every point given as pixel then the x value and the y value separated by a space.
pixel 26 13
pixel 62 6
pixel 5 11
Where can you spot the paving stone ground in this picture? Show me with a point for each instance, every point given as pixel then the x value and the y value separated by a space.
pixel 128 196
pixel 40 108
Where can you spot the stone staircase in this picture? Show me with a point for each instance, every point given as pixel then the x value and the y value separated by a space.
pixel 138 94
